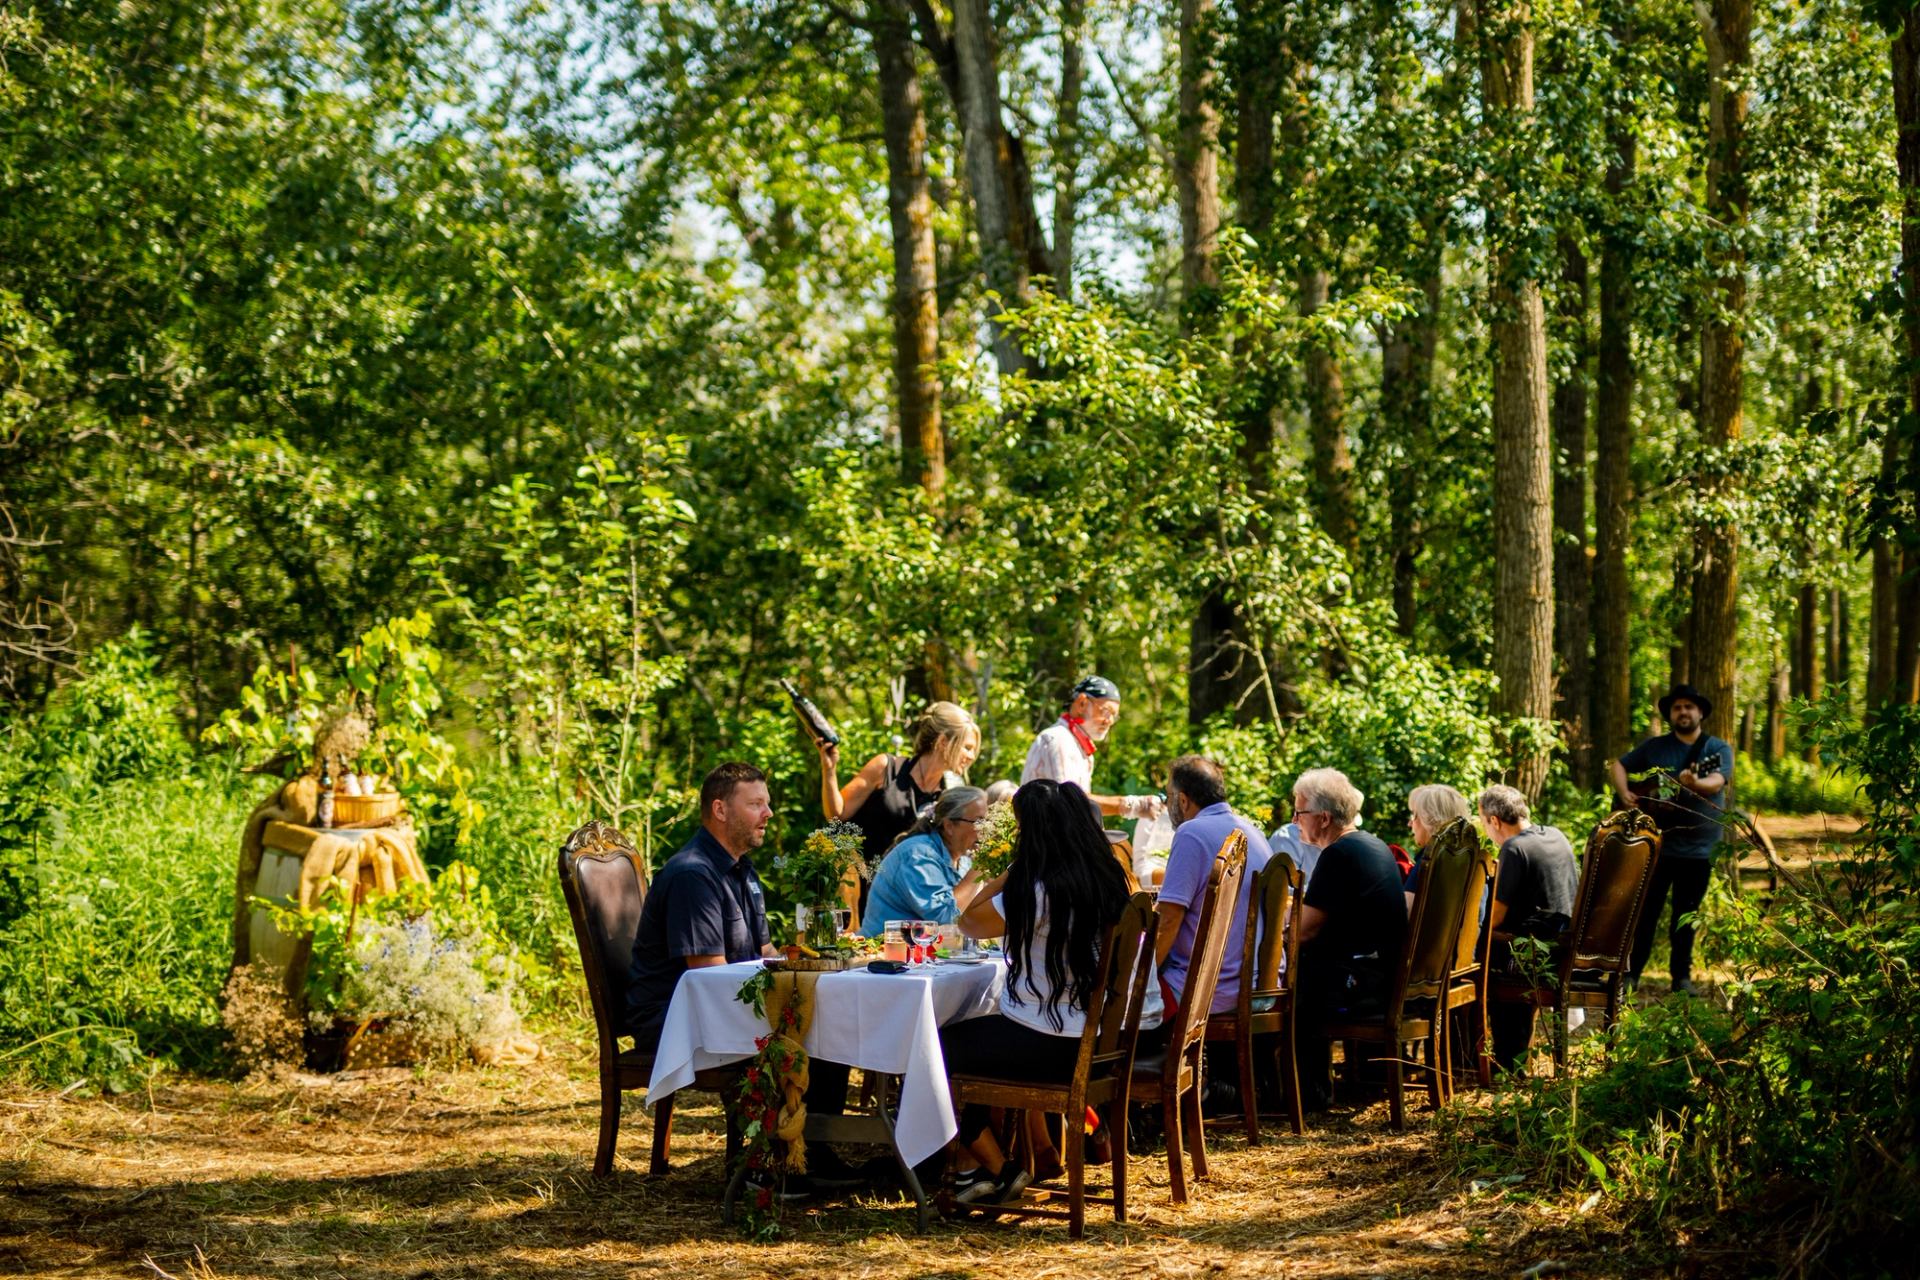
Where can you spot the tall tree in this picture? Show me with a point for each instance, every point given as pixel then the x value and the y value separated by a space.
pixel 1713 643
pixel 1895 622
pixel 1572 589
pixel 1066 142
pixel 916 311
pixel 1522 440
pixel 1613 433
pixel 1196 169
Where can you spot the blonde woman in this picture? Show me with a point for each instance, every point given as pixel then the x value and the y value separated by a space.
pixel 889 793
pixel 1431 808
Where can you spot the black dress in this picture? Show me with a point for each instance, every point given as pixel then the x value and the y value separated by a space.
pixel 887 812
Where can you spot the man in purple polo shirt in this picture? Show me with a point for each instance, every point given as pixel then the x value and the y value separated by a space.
pixel 1202 819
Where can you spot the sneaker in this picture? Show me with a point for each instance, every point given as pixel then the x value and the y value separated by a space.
pixel 1012 1181
pixel 1683 986
pixel 975 1186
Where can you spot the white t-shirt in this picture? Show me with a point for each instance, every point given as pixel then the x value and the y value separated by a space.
pixel 1289 841
pixel 1054 754
pixel 1024 1007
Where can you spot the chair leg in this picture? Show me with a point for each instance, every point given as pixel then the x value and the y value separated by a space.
pixel 1176 1164
pixel 1482 1057
pixel 1196 1126
pixel 609 1124
pixel 1436 1046
pixel 1076 1162
pixel 1296 1107
pixel 1397 1083
pixel 1559 1040
pixel 1117 1127
pixel 1249 1091
pixel 662 1137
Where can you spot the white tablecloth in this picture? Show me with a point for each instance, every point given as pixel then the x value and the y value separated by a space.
pixel 877 1021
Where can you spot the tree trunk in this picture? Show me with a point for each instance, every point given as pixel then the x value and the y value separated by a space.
pixel 1003 253
pixel 1327 423
pixel 1805 672
pixel 1896 573
pixel 1407 350
pixel 1613 465
pixel 1196 169
pixel 1714 641
pixel 1066 142
pixel 1522 443
pixel 1775 748
pixel 1572 587
pixel 1839 645
pixel 916 312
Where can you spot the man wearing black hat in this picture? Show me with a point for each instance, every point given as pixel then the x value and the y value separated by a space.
pixel 1689 822
pixel 1064 750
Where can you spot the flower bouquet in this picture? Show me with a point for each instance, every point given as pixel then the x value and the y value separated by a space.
pixel 999 830
pixel 816 873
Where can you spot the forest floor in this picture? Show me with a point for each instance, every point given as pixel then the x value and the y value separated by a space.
pixel 420 1173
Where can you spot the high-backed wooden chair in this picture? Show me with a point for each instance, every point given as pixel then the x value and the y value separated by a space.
pixel 1466 998
pixel 1173 1076
pixel 1265 1004
pixel 604 880
pixel 1101 1075
pixel 1589 964
pixel 1420 978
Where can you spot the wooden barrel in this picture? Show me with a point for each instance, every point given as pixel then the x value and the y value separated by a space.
pixel 279 882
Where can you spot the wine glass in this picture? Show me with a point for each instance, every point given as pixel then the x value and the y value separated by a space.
pixel 925 934
pixel 842 921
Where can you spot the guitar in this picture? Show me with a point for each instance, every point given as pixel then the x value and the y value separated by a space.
pixel 1663 785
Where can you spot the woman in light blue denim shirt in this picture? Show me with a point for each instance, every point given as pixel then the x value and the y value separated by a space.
pixel 920 878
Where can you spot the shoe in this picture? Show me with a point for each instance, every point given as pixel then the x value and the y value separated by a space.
pixel 827 1171
pixel 1683 986
pixel 975 1186
pixel 1012 1181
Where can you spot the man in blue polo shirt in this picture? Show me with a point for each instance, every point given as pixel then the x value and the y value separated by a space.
pixel 706 905
pixel 1202 818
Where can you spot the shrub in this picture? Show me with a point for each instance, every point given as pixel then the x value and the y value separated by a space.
pixel 120 719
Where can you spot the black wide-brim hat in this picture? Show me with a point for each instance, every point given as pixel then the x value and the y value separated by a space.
pixel 1692 695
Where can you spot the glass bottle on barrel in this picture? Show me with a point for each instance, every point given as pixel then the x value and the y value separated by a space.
pixel 323 803
pixel 816 724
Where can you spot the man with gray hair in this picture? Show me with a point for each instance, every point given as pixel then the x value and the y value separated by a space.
pixel 1353 922
pixel 1532 898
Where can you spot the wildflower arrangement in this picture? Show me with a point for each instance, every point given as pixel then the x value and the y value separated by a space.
pixel 822 865
pixel 999 831
pixel 429 959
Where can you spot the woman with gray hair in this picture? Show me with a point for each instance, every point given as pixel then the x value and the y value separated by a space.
pixel 920 878
pixel 1432 809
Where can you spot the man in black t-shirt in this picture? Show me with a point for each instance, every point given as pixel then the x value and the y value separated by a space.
pixel 1532 898
pixel 1689 821
pixel 1353 922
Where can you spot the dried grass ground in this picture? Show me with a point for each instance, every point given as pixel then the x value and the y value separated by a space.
pixel 484 1173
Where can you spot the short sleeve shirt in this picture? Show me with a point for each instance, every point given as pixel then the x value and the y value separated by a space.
pixel 1054 754
pixel 1357 883
pixel 1189 863
pixel 703 902
pixel 1538 881
pixel 1690 822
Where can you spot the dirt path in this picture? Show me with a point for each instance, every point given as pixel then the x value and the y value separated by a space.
pixel 484 1173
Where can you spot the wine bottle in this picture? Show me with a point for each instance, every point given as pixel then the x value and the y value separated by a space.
pixel 810 716
pixel 323 804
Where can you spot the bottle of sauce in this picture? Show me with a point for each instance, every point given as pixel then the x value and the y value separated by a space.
pixel 323 805
pixel 816 724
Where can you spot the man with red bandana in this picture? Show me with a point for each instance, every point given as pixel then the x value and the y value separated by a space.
pixel 1064 750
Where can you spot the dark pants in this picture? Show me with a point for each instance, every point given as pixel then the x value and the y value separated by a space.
pixel 1687 878
pixel 1510 1026
pixel 1329 986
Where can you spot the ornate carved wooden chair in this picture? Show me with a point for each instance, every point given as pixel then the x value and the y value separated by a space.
pixel 1425 966
pixel 604 880
pixel 1589 964
pixel 1466 998
pixel 1265 1005
pixel 1101 1076
pixel 1174 1076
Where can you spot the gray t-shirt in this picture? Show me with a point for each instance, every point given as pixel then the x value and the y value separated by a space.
pixel 1538 882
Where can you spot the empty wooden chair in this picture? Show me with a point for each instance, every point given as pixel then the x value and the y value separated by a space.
pixel 1102 1074
pixel 1589 963
pixel 1265 1005
pixel 1466 998
pixel 1173 1076
pixel 1424 966
pixel 604 880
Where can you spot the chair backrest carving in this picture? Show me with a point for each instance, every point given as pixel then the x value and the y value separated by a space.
pixel 604 881
pixel 1209 943
pixel 1113 1008
pixel 1433 924
pixel 1620 857
pixel 1272 935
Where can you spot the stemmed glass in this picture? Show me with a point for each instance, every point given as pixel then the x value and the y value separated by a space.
pixel 842 921
pixel 925 934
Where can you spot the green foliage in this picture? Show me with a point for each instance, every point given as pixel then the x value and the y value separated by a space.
pixel 1791 1096
pixel 120 719
pixel 1793 784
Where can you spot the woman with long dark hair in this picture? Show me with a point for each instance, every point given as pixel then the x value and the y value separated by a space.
pixel 1052 907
